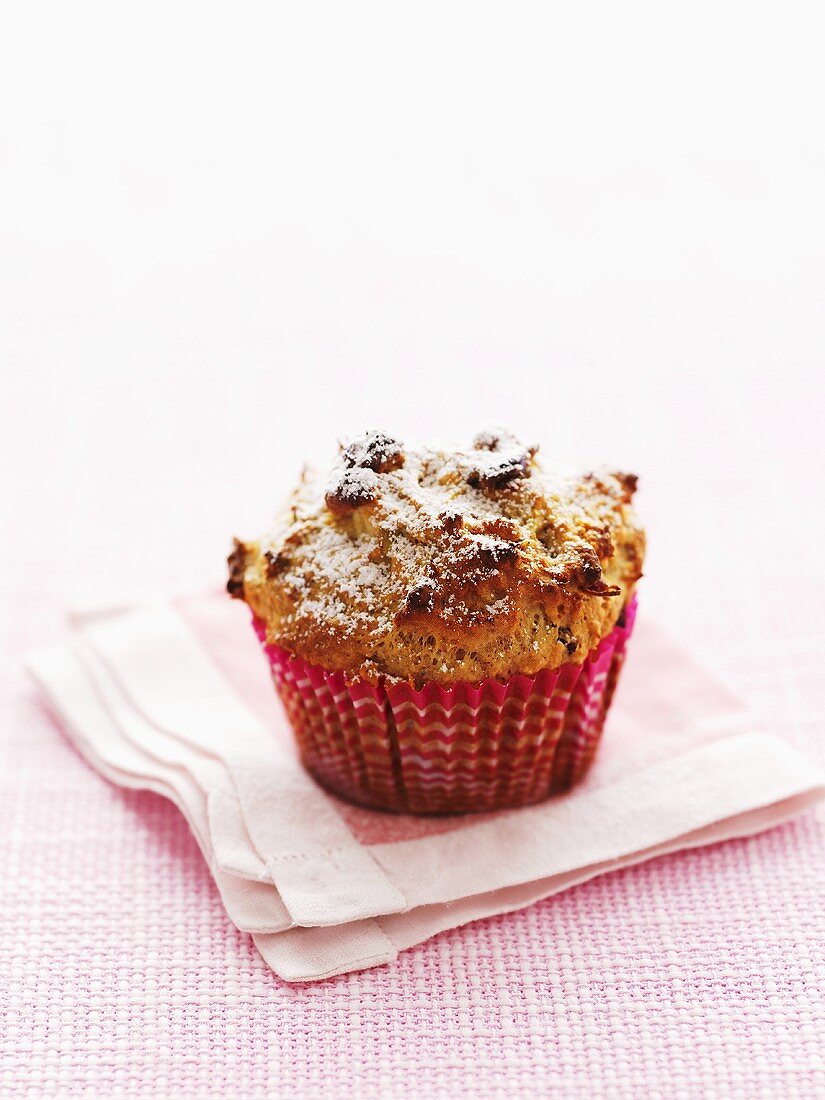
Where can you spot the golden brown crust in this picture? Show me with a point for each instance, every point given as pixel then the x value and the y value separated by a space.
pixel 444 565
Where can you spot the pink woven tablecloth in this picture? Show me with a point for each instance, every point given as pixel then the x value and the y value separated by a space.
pixel 700 974
pixel 224 242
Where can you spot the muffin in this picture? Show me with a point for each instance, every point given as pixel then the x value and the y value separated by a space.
pixel 445 627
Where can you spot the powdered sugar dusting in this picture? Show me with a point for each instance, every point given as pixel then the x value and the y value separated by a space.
pixel 403 546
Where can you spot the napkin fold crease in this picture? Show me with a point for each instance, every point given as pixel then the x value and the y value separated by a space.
pixel 143 694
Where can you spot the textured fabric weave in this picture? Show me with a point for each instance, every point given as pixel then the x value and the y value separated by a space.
pixel 697 975
pixel 161 996
pixel 119 992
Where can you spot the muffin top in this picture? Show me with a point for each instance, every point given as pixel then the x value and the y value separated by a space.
pixel 441 565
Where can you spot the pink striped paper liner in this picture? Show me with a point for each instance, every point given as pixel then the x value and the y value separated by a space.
pixel 466 747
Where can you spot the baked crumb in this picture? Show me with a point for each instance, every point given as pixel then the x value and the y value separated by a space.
pixel 430 564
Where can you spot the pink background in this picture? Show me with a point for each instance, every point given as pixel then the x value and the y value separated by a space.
pixel 223 245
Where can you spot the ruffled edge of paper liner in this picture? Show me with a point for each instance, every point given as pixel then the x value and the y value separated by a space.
pixel 449 749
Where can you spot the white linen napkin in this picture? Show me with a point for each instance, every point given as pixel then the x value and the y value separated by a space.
pixel 175 699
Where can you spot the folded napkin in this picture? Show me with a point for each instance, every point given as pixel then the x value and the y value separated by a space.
pixel 176 698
